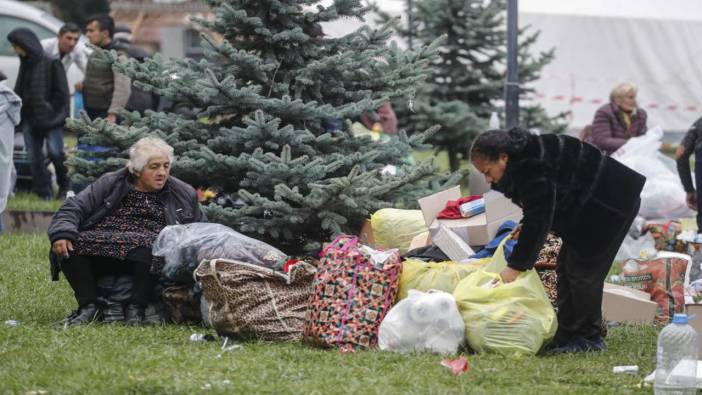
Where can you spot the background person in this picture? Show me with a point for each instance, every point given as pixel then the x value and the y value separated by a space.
pixel 691 143
pixel 617 121
pixel 567 187
pixel 105 93
pixel 109 228
pixel 42 86
pixel 67 47
pixel 10 110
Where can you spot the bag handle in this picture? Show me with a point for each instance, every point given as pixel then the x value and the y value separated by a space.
pixel 352 242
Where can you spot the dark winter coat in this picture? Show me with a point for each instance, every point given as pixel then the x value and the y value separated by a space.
pixel 690 144
pixel 41 83
pixel 103 196
pixel 568 187
pixel 609 131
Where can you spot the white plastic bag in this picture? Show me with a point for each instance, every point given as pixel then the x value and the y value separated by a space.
pixel 424 321
pixel 643 247
pixel 185 246
pixel 663 195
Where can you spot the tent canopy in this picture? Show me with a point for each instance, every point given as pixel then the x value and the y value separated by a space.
pixel 599 43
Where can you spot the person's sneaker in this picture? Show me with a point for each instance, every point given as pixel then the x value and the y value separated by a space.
pixel 134 314
pixel 113 312
pixel 82 316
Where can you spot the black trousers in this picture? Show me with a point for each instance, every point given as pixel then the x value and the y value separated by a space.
pixel 82 272
pixel 581 275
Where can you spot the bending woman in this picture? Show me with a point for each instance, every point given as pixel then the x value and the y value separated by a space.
pixel 572 189
pixel 110 226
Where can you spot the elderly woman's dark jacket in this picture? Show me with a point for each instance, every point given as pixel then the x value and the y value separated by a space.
pixel 103 196
pixel 568 187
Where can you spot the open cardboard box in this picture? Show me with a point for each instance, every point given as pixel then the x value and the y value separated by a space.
pixel 477 230
pixel 625 304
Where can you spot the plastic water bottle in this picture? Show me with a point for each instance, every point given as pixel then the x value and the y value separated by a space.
pixel 676 370
pixel 494 122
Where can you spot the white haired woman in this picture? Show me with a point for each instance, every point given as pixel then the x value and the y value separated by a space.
pixel 110 226
pixel 617 121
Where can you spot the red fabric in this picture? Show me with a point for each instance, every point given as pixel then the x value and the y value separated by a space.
pixel 457 366
pixel 451 211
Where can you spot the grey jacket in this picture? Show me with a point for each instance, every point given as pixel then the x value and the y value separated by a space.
pixel 10 105
pixel 103 196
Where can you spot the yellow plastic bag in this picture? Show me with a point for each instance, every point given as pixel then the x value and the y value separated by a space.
pixel 442 276
pixel 514 318
pixel 395 228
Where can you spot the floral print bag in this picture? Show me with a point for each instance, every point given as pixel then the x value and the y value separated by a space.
pixel 354 288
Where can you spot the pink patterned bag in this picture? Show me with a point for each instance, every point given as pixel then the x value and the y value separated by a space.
pixel 354 288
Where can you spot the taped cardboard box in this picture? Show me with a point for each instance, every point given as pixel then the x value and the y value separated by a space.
pixel 477 230
pixel 625 304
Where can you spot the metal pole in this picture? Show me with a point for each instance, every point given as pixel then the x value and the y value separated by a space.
pixel 512 84
pixel 409 19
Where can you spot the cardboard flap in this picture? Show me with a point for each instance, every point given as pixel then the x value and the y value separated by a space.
pixel 627 291
pixel 432 205
pixel 498 206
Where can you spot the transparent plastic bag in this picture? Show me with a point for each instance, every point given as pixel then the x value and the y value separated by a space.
pixel 514 318
pixel 395 228
pixel 643 247
pixel 424 321
pixel 185 246
pixel 441 276
pixel 663 195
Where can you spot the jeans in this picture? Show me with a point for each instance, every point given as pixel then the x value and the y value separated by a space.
pixel 34 143
pixel 93 113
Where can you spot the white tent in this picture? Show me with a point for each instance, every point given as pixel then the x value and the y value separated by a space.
pixel 652 43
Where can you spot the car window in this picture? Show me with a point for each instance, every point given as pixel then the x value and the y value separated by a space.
pixel 10 23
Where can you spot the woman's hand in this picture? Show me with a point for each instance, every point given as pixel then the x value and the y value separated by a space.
pixel 515 232
pixel 508 275
pixel 62 247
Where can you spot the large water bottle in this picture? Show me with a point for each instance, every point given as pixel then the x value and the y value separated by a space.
pixel 676 370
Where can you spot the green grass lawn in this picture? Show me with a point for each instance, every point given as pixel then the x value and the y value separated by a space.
pixel 38 356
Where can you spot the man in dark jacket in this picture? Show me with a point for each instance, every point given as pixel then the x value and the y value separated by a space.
pixel 692 143
pixel 42 85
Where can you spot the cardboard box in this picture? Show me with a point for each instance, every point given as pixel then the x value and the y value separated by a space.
pixel 477 230
pixel 625 304
pixel 696 309
pixel 420 240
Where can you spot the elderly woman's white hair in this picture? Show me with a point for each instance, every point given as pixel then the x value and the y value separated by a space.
pixel 146 149
pixel 622 89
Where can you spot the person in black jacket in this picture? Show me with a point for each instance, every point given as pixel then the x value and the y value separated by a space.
pixel 570 188
pixel 42 85
pixel 691 143
pixel 110 226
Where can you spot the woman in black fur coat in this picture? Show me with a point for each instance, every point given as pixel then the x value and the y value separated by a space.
pixel 570 188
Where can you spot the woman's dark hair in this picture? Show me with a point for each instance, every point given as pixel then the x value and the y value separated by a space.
pixel 495 142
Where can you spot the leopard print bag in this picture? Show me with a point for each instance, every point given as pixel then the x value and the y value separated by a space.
pixel 247 301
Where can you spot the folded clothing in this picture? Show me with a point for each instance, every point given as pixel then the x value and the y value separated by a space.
pixel 453 210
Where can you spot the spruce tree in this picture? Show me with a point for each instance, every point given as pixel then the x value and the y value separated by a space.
pixel 269 121
pixel 467 80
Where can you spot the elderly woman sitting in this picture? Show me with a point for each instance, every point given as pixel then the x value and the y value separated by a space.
pixel 109 228
pixel 617 121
